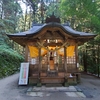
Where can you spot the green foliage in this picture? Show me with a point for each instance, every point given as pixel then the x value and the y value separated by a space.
pixel 9 15
pixel 81 68
pixel 53 8
pixel 9 61
pixel 10 11
pixel 95 23
pixel 97 39
pixel 89 54
pixel 84 15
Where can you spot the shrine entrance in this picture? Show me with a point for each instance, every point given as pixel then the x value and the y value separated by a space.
pixel 51 59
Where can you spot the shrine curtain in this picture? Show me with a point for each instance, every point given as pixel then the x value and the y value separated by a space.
pixel 69 51
pixel 34 51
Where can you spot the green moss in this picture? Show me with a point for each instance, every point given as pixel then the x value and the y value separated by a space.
pixel 39 84
pixel 72 83
pixel 66 84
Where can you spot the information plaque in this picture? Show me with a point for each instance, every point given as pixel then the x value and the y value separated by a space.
pixel 23 78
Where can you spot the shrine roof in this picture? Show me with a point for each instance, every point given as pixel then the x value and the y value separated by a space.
pixel 37 28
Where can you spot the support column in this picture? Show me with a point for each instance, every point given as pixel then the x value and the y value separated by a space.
pixel 39 61
pixel 65 60
pixel 39 68
pixel 76 55
pixel 26 53
pixel 98 61
pixel 48 61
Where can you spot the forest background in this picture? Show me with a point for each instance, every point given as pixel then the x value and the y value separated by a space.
pixel 81 15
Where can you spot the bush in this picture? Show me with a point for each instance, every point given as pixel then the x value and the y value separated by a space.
pixel 9 61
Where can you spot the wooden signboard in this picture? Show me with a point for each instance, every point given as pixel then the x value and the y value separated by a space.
pixel 23 78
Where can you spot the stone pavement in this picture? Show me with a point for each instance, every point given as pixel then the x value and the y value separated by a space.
pixel 89 86
pixel 71 91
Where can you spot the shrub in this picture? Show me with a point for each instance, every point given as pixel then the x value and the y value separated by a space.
pixel 9 61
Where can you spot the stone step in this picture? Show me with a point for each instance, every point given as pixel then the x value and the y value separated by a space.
pixel 53 85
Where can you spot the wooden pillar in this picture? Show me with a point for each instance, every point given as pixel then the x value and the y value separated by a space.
pixel 39 68
pixel 65 60
pixel 48 59
pixel 26 53
pixel 98 53
pixel 85 59
pixel 76 54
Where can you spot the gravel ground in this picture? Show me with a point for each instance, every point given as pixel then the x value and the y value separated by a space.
pixel 9 90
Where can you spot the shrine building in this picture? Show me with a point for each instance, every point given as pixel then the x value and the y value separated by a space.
pixel 52 51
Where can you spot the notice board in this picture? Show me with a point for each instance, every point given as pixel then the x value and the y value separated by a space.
pixel 23 78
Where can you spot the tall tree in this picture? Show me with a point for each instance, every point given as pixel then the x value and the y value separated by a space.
pixel 10 11
pixel 83 14
pixel 43 9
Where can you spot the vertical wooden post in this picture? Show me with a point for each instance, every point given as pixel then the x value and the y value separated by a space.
pixel 98 52
pixel 65 60
pixel 39 62
pixel 26 53
pixel 48 60
pixel 76 54
pixel 85 60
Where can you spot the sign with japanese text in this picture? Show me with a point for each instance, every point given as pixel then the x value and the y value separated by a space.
pixel 23 78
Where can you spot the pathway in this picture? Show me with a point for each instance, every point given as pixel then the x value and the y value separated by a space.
pixel 9 90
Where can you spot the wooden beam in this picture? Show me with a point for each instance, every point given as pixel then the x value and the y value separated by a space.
pixel 53 44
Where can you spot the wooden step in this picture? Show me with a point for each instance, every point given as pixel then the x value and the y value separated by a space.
pixel 52 80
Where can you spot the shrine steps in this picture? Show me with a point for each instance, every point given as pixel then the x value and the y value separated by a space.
pixel 52 80
pixel 47 80
pixel 54 85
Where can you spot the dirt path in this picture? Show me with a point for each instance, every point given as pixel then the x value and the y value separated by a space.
pixel 9 90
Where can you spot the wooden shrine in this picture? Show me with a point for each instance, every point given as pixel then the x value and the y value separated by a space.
pixel 52 51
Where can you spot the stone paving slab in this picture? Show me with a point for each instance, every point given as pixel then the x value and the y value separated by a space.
pixel 43 91
pixel 75 94
pixel 38 94
pixel 44 94
pixel 48 89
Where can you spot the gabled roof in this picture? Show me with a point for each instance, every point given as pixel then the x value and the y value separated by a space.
pixel 37 28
